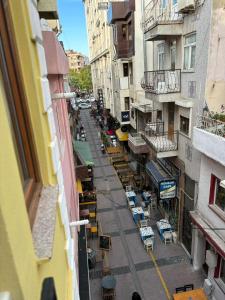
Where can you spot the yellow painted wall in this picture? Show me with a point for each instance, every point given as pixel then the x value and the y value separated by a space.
pixel 20 272
pixel 28 57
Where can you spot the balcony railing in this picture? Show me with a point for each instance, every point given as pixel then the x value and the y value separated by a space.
pixel 162 81
pixel 211 125
pixel 159 140
pixel 136 139
pixel 155 14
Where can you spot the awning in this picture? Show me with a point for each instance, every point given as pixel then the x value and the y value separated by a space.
pixel 84 152
pixel 122 136
pixel 156 172
pixel 79 187
pixel 209 231
pixel 165 184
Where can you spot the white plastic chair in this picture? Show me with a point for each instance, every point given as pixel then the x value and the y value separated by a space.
pixel 148 244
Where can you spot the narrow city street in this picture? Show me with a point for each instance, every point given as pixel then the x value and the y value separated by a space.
pixel 155 276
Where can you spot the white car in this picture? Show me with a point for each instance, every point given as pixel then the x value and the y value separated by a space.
pixel 84 105
pixel 92 99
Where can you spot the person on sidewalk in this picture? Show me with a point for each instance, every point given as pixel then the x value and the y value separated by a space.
pixel 136 296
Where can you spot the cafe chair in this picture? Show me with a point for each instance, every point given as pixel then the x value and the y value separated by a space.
pixel 189 287
pixel 108 294
pixel 167 236
pixel 148 244
pixel 153 203
pixel 180 289
pixel 143 223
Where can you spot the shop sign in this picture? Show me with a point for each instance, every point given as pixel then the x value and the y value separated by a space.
pixel 167 189
pixel 125 116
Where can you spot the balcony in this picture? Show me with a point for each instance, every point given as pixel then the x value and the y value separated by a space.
pixel 158 84
pixel 165 144
pixel 209 138
pixel 145 108
pixel 48 9
pixel 124 48
pixel 137 144
pixel 162 22
pixel 120 10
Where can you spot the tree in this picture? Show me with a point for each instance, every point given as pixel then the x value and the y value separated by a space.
pixel 81 80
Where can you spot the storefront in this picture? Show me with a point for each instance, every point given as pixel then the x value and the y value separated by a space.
pixel 165 187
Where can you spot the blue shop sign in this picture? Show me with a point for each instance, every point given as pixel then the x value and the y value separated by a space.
pixel 167 189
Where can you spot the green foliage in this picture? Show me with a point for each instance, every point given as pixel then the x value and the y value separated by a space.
pixel 81 80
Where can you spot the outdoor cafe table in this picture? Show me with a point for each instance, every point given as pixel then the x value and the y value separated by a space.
pixel 163 225
pixel 138 214
pixel 146 232
pixel 132 196
pixel 108 282
pixel 197 294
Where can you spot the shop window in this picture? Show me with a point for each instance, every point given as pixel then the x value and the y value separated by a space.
pixel 217 193
pixel 127 103
pixel 189 51
pixel 125 70
pixel 184 125
pixel 17 114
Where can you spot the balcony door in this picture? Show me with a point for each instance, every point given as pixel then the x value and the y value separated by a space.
pixel 171 109
pixel 173 56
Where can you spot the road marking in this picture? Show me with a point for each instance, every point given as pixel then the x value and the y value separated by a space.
pixel 160 275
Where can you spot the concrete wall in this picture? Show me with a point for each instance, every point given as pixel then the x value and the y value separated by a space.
pixel 215 85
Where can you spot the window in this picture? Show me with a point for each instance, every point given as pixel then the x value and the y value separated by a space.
pixel 189 51
pixel 17 113
pixel 217 193
pixel 184 125
pixel 125 70
pixel 222 270
pixel 159 115
pixel 161 56
pixel 127 103
pixel 125 31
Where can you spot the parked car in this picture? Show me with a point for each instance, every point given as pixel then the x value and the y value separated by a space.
pixel 84 105
pixel 92 99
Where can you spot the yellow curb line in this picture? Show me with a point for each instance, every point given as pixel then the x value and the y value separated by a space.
pixel 160 275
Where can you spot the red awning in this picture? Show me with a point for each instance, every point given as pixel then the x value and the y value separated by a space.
pixel 210 233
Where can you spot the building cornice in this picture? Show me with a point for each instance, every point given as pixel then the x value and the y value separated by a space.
pixel 99 55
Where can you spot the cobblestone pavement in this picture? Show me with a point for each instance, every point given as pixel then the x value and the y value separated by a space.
pixel 130 263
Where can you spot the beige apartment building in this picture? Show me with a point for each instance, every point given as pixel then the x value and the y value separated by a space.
pixel 76 60
pixel 99 50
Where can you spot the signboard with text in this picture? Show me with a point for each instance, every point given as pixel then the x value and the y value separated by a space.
pixel 167 189
pixel 125 116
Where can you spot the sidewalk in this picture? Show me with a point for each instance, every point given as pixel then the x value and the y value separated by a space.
pixel 132 266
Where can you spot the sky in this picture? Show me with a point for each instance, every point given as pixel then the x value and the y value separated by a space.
pixel 72 19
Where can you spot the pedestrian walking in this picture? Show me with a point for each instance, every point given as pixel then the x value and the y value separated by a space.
pixel 136 296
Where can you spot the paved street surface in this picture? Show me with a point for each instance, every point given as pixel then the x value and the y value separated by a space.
pixel 133 268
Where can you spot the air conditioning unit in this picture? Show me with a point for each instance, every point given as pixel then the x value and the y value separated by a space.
pixel 211 259
pixel 208 287
pixel 185 6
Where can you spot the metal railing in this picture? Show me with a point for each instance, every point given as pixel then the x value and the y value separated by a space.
pixel 162 81
pixel 154 128
pixel 211 125
pixel 136 139
pixel 155 13
pixel 162 141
